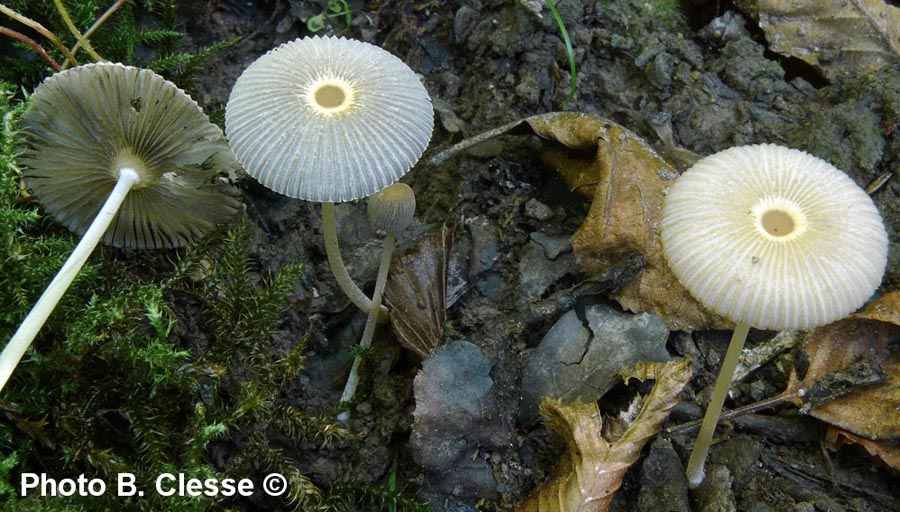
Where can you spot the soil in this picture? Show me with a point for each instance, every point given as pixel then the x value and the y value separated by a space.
pixel 649 65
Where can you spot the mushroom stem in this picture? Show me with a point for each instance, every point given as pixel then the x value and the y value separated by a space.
pixel 333 251
pixel 372 319
pixel 695 467
pixel 35 319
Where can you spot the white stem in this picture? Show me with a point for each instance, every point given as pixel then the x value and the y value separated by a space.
pixel 333 252
pixel 23 337
pixel 372 319
pixel 695 468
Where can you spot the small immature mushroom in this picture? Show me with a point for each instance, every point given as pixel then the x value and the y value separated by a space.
pixel 390 210
pixel 119 155
pixel 329 119
pixel 771 238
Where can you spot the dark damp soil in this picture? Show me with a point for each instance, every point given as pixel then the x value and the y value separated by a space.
pixel 697 68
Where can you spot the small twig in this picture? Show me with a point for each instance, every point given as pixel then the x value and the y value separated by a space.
pixel 466 144
pixel 40 29
pixel 753 358
pixel 87 35
pixel 690 426
pixel 33 44
pixel 74 30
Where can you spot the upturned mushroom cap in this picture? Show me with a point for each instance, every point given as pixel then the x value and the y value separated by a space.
pixel 392 208
pixel 85 123
pixel 773 237
pixel 328 119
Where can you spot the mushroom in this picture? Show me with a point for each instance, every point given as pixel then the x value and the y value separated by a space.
pixel 119 155
pixel 771 238
pixel 390 210
pixel 328 120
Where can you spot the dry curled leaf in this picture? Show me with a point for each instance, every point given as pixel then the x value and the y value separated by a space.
pixel 839 37
pixel 417 293
pixel 887 451
pixel 852 380
pixel 849 377
pixel 627 181
pixel 591 470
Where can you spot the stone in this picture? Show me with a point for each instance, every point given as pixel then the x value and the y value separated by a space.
pixel 456 415
pixel 485 245
pixel 582 355
pixel 553 245
pixel 537 273
pixel 538 210
pixel 664 486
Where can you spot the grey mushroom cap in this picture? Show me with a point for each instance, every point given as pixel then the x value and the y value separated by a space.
pixel 392 208
pixel 328 119
pixel 86 123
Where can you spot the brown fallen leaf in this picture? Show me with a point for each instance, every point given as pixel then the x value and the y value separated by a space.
pixel 885 309
pixel 417 293
pixel 591 470
pixel 847 375
pixel 570 147
pixel 627 181
pixel 852 380
pixel 887 451
pixel 840 37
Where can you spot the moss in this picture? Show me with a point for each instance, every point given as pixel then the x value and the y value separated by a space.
pixel 111 385
pixel 744 67
pixel 845 135
pixel 846 122
pixel 153 44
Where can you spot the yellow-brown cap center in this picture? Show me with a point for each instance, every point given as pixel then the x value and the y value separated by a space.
pixel 330 96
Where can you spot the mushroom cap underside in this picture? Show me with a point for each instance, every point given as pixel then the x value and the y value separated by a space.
pixel 86 123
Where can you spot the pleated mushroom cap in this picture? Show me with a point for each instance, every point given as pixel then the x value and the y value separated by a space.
pixel 773 238
pixel 328 119
pixel 392 208
pixel 85 123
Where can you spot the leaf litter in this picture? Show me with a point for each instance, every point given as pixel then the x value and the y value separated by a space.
pixel 851 381
pixel 840 37
pixel 627 180
pixel 847 375
pixel 417 293
pixel 592 468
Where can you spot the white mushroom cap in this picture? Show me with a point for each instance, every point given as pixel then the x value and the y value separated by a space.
pixel 773 237
pixel 328 119
pixel 87 122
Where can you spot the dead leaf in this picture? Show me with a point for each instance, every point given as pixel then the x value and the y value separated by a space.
pixel 591 470
pixel 887 451
pixel 627 181
pixel 417 293
pixel 573 151
pixel 840 37
pixel 885 309
pixel 852 380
